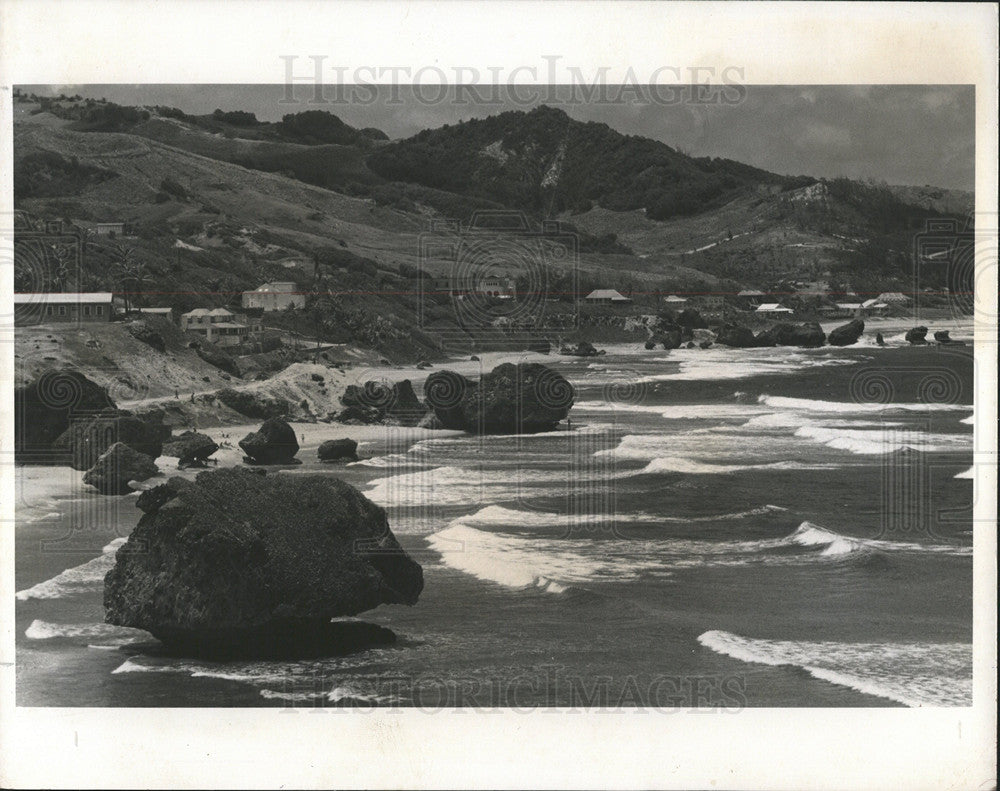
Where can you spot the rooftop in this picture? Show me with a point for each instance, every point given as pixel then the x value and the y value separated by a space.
pixel 607 293
pixel 64 298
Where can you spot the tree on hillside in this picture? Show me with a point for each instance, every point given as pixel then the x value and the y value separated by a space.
pixel 131 274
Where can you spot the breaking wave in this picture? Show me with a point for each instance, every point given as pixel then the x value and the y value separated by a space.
pixel 811 405
pixel 85 578
pixel 914 674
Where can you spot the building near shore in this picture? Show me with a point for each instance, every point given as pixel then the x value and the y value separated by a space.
pixel 219 325
pixel 30 309
pixel 675 301
pixel 773 309
pixel 606 296
pixel 274 296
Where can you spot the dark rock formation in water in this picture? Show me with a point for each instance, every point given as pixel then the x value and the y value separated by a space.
pixel 382 403
pixel 87 438
pixel 44 408
pixel 809 335
pixel 846 334
pixel 338 450
pixel 736 336
pixel 245 564
pixel 190 447
pixel 879 339
pixel 273 443
pixel 944 337
pixel 916 336
pixel 582 349
pixel 118 465
pixel 670 339
pixel 648 345
pixel 511 399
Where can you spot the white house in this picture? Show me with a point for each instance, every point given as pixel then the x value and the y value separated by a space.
pixel 773 309
pixel 274 296
pixel 219 325
pixel 675 300
pixel 606 296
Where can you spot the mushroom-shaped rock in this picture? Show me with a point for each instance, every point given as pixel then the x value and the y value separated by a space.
pixel 338 450
pixel 190 447
pixel 511 399
pixel 916 336
pixel 235 562
pixel 846 334
pixel 273 443
pixel 118 465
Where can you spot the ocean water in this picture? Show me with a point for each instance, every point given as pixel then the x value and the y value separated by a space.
pixel 715 529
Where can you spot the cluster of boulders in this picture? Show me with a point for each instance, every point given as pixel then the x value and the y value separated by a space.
pixel 242 564
pixel 377 402
pixel 808 335
pixel 64 418
pixel 917 336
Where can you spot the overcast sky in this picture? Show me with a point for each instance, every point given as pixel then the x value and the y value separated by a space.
pixel 900 134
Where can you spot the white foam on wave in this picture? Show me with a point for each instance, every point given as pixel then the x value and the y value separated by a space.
pixel 712 365
pixel 547 565
pixel 85 578
pixel 116 635
pixel 671 412
pixel 887 440
pixel 914 674
pixel 499 516
pixel 274 680
pixel 394 460
pixel 809 534
pixel 691 466
pixel 813 405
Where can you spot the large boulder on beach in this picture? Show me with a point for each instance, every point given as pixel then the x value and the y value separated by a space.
pixel 190 447
pixel 44 408
pixel 118 465
pixel 846 334
pixel 338 450
pixel 88 438
pixel 273 443
pixel 944 337
pixel 808 335
pixel 511 399
pixel 735 336
pixel 236 562
pixel 916 336
pixel 692 319
pixel 671 339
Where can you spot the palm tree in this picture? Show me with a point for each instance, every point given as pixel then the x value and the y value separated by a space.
pixel 130 271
